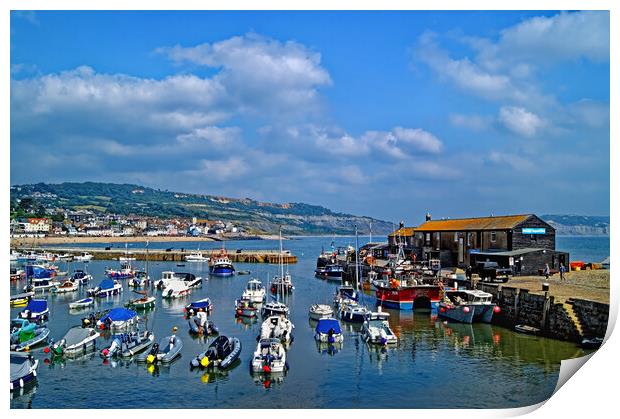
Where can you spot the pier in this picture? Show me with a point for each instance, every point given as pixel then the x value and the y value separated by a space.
pixel 172 255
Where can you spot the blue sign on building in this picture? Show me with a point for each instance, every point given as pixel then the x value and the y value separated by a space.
pixel 533 230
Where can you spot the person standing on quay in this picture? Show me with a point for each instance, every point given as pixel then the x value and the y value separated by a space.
pixel 562 270
pixel 547 271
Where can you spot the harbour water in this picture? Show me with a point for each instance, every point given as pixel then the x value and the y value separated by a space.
pixel 434 365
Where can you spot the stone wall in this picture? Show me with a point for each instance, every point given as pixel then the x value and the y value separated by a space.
pixel 593 316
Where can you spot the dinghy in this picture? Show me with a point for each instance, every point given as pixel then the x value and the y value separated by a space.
pixel 106 288
pixel 29 337
pixel 22 299
pixel 128 344
pixel 254 291
pixel 221 353
pixel 165 351
pixel 376 329
pixel 278 327
pixel 328 330
pixel 319 311
pixel 84 302
pixel 76 341
pixel 23 370
pixel 118 318
pixel 200 325
pixel 67 286
pixel 274 308
pixel 245 308
pixel 35 311
pixel 269 357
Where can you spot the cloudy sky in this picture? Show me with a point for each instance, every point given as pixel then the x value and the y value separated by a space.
pixel 387 114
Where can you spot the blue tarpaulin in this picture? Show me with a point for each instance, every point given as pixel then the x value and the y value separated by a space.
pixel 106 284
pixel 36 306
pixel 200 304
pixel 38 272
pixel 118 314
pixel 325 324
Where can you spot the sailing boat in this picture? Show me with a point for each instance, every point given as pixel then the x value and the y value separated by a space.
pixel 282 284
pixel 351 310
pixel 128 256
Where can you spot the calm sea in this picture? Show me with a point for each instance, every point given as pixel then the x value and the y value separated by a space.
pixel 434 365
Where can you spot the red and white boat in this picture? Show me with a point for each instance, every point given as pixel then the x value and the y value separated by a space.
pixel 406 294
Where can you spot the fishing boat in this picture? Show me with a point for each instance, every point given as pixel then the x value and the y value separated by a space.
pixel 221 353
pixel 376 329
pixel 193 307
pixel 65 287
pixel 330 272
pixel 283 283
pixel 467 306
pixel 328 330
pixel 320 311
pixel 353 312
pixel 83 257
pixel 254 291
pixel 274 308
pixel 22 299
pixel 128 344
pixel 84 302
pixel 81 277
pixel 76 341
pixel 23 370
pixel 29 336
pixel 165 351
pixel 278 327
pixel 196 257
pixel 118 318
pixel 35 311
pixel 106 288
pixel 269 357
pixel 406 294
pixel 126 272
pixel 220 264
pixel 141 303
pixel 245 308
pixel 345 292
pixel 175 289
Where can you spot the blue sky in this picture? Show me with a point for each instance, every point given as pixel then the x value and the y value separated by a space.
pixel 387 114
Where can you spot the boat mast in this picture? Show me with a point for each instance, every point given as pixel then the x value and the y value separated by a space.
pixel 356 262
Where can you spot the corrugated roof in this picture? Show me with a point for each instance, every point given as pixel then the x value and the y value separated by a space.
pixel 403 232
pixel 502 222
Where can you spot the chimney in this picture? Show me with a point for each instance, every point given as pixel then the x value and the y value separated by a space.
pixel 428 216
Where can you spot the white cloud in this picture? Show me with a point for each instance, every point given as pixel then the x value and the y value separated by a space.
pixel 520 121
pixel 472 122
pixel 514 161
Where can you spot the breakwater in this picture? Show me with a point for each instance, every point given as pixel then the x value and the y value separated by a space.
pixel 172 255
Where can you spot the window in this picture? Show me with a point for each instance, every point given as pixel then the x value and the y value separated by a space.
pixel 493 236
pixel 468 239
pixel 427 239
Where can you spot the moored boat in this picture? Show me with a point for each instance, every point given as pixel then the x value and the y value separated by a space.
pixel 320 311
pixel 76 341
pixel 245 308
pixel 175 289
pixel 193 307
pixel 196 257
pixel 527 329
pixel 328 330
pixel 165 351
pixel 376 329
pixel 274 308
pixel 278 327
pixel 128 344
pixel 201 325
pixel 221 353
pixel 83 257
pixel 22 299
pixel 467 306
pixel 220 264
pixel 330 272
pixel 406 294
pixel 28 337
pixel 23 370
pixel 35 311
pixel 269 357
pixel 254 291
pixel 65 287
pixel 142 303
pixel 353 312
pixel 345 292
pixel 84 302
pixel 118 318
pixel 106 288
pixel 81 277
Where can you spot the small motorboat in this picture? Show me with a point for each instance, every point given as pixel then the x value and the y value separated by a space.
pixel 28 337
pixel 221 353
pixel 320 311
pixel 529 330
pixel 22 299
pixel 328 330
pixel 269 357
pixel 23 370
pixel 196 257
pixel 106 288
pixel 345 292
pixel 191 280
pixel 83 257
pixel 143 303
pixel 330 272
pixel 81 277
pixel 67 286
pixel 245 308
pixel 165 351
pixel 118 318
pixel 592 343
pixel 254 291
pixel 84 302
pixel 220 264
pixel 41 285
pixel 376 329
pixel 201 325
pixel 274 308
pixel 351 311
pixel 35 311
pixel 193 307
pixel 467 306
pixel 76 341
pixel 128 344
pixel 175 289
pixel 278 327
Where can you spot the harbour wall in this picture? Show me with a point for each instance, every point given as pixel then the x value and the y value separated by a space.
pixel 570 320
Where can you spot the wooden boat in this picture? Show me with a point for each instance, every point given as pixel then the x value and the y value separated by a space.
pixel 221 353
pixel 165 351
pixel 143 303
pixel 530 330
pixel 278 327
pixel 76 341
pixel 128 344
pixel 67 286
pixel 23 370
pixel 269 357
pixel 320 311
pixel 84 302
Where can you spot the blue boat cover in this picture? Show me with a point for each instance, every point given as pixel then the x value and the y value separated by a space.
pixel 38 272
pixel 325 324
pixel 106 284
pixel 200 304
pixel 36 306
pixel 119 314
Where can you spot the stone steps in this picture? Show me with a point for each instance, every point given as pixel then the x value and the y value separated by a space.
pixel 568 307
